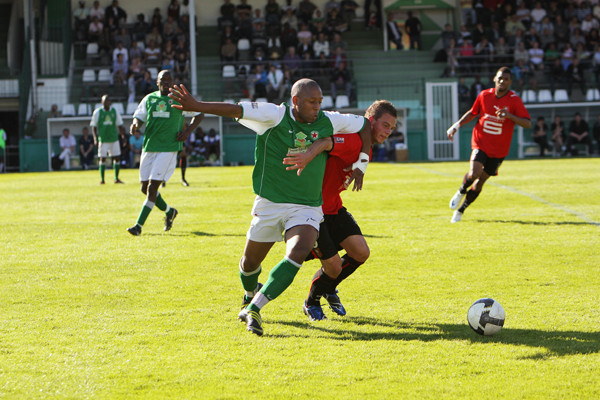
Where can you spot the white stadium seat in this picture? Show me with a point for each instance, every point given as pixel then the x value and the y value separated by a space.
pixel 104 75
pixel 529 96
pixel 89 75
pixel 544 96
pixel 261 100
pixel 592 95
pixel 68 110
pixel 131 107
pixel 228 71
pixel 153 72
pixel 83 109
pixel 327 102
pixel 561 96
pixel 342 101
pixel 119 108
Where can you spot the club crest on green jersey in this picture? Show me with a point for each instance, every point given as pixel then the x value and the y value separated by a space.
pixel 161 110
pixel 107 120
pixel 300 140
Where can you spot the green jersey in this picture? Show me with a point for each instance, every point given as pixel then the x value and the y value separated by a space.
pixel 279 134
pixel 162 123
pixel 106 122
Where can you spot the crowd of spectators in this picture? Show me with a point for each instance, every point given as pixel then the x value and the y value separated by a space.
pixel 559 39
pixel 274 46
pixel 133 51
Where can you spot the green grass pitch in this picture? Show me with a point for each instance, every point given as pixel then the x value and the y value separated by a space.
pixel 88 311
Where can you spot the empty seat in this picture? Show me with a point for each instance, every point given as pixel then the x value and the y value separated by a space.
pixel 327 102
pixel 89 75
pixel 97 105
pixel 245 100
pixel 119 108
pixel 544 96
pixel 244 69
pixel 83 109
pixel 592 95
pixel 243 44
pixel 153 72
pixel 342 101
pixel 261 100
pixel 104 75
pixel 68 110
pixel 91 49
pixel 230 101
pixel 228 71
pixel 529 96
pixel 560 95
pixel 131 107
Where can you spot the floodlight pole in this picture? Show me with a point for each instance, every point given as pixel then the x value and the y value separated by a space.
pixel 193 66
pixel 29 17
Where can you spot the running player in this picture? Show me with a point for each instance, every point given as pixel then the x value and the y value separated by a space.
pixel 163 138
pixel 339 230
pixel 499 109
pixel 285 202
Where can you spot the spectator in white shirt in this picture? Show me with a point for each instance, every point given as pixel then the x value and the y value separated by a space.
pixel 67 146
pixel 321 45
pixel 536 57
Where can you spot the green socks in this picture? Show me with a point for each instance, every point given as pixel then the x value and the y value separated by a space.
pixel 102 167
pixel 146 208
pixel 281 276
pixel 249 279
pixel 117 168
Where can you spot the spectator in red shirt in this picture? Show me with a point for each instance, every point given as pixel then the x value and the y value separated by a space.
pixel 499 109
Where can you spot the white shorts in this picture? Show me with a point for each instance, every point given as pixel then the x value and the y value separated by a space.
pixel 157 166
pixel 271 220
pixel 109 149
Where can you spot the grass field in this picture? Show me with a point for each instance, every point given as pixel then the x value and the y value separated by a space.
pixel 88 311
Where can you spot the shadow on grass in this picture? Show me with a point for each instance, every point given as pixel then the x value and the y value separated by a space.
pixel 557 343
pixel 377 236
pixel 194 233
pixel 501 221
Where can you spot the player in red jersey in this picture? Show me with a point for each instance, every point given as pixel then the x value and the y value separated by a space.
pixel 499 109
pixel 339 230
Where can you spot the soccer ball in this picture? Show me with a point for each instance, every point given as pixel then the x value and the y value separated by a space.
pixel 486 317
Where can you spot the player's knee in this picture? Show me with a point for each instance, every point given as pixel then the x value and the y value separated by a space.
pixel 361 254
pixel 144 188
pixel 248 264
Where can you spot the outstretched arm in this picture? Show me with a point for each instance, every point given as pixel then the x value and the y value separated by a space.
pixel 466 118
pixel 300 160
pixel 187 103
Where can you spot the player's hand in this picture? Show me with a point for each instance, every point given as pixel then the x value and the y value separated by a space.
pixel 181 136
pixel 452 131
pixel 297 161
pixel 357 177
pixel 502 113
pixel 181 95
pixel 132 129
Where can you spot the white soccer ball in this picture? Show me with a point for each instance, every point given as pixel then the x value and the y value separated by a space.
pixel 486 317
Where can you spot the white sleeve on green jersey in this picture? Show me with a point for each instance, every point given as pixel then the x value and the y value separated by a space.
pixel 261 116
pixel 119 118
pixel 95 116
pixel 345 123
pixel 141 112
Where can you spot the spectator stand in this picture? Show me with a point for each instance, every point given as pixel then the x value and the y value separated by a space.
pixel 527 147
pixel 75 125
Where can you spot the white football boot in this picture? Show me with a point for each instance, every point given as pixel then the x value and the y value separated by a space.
pixel 456 200
pixel 456 217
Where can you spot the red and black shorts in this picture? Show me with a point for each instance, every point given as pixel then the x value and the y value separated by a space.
pixel 332 231
pixel 490 164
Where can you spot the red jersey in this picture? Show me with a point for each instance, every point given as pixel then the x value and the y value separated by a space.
pixel 491 134
pixel 346 149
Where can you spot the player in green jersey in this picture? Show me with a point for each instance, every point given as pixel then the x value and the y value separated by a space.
pixel 163 138
pixel 286 202
pixel 106 121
